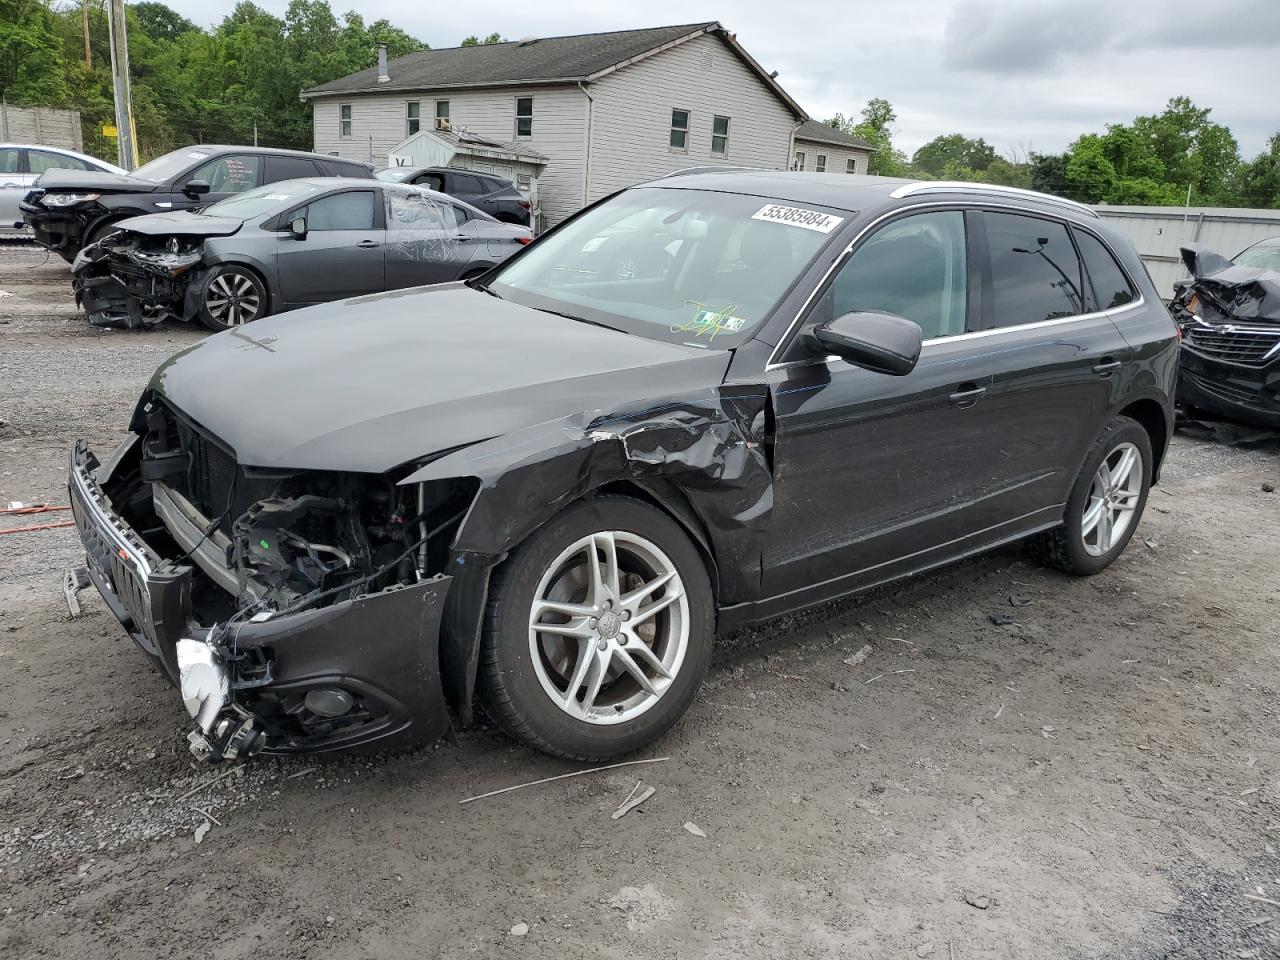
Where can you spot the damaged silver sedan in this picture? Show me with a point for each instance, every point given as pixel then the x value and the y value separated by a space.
pixel 284 245
pixel 554 486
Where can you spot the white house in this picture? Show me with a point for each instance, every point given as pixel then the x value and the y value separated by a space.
pixel 823 149
pixel 606 110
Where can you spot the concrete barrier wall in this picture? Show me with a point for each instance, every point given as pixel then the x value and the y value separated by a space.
pixel 41 125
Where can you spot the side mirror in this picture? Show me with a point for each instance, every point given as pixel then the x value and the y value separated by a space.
pixel 196 188
pixel 881 342
pixel 298 227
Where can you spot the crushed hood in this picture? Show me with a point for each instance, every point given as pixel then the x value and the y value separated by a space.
pixel 1228 292
pixel 59 179
pixel 182 224
pixel 373 382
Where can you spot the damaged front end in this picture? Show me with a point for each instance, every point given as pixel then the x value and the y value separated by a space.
pixel 132 280
pixel 1229 317
pixel 297 611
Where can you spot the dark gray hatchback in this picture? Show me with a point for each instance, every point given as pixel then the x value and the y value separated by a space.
pixel 557 484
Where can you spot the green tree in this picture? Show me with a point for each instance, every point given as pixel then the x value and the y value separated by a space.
pixel 1258 181
pixel 160 22
pixel 973 154
pixel 875 127
pixel 32 68
pixel 474 41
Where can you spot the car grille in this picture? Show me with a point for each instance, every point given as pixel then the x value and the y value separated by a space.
pixel 1248 347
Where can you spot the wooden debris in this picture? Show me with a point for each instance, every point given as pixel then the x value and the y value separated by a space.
pixel 563 776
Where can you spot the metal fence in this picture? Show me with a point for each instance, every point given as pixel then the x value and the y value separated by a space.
pixel 1158 232
pixel 42 125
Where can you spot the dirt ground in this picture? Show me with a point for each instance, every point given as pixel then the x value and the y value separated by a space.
pixel 1099 778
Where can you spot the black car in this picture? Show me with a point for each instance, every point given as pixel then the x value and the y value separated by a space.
pixel 558 487
pixel 1229 314
pixel 71 209
pixel 495 196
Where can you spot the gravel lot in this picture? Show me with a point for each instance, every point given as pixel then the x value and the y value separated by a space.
pixel 1099 779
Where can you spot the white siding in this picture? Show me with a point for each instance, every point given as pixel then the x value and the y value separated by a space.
pixel 631 116
pixel 559 117
pixel 837 157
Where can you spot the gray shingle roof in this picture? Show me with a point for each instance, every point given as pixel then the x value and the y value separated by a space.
pixel 816 132
pixel 513 62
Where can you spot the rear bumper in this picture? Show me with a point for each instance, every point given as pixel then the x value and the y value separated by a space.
pixel 1248 394
pixel 380 651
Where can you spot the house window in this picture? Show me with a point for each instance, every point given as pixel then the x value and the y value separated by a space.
pixel 821 165
pixel 799 164
pixel 442 114
pixel 524 116
pixel 851 165
pixel 523 182
pixel 720 136
pixel 679 130
pixel 344 120
pixel 412 111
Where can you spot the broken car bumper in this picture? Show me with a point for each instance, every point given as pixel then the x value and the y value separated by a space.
pixel 363 673
pixel 1236 391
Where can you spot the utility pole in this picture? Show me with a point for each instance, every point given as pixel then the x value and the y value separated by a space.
pixel 84 19
pixel 126 139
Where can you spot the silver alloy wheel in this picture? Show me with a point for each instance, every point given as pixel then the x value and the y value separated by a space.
pixel 609 627
pixel 232 299
pixel 1113 498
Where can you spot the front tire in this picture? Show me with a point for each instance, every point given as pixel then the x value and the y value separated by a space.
pixel 231 296
pixel 1105 504
pixel 598 631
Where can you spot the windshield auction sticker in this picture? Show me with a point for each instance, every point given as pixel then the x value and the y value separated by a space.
pixel 798 217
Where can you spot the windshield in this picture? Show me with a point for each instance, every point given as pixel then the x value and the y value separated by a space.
pixel 686 266
pixel 1264 256
pixel 166 167
pixel 396 174
pixel 260 200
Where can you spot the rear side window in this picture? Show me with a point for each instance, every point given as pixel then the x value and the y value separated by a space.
pixel 350 170
pixel 465 184
pixel 1035 273
pixel 342 211
pixel 288 168
pixel 914 268
pixel 9 160
pixel 40 161
pixel 1110 286
pixel 234 173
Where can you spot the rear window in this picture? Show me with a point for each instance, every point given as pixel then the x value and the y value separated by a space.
pixel 288 168
pixel 1110 286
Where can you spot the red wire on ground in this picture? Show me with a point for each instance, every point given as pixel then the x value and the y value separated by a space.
pixel 42 526
pixel 31 508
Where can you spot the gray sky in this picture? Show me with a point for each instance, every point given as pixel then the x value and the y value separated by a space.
pixel 1023 74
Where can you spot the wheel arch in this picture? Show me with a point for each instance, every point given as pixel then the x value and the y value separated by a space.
pixel 1151 416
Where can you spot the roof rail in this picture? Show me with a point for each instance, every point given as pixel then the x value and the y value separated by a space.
pixel 951 186
pixel 705 168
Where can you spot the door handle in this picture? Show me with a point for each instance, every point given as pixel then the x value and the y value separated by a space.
pixel 967 395
pixel 368 244
pixel 1107 365
pixel 462 238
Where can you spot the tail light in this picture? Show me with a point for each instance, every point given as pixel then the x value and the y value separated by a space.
pixel 523 241
pixel 524 204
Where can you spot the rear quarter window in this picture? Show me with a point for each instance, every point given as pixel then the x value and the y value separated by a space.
pixel 1109 285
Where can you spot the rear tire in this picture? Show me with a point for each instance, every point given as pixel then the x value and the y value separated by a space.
pixel 230 296
pixel 1104 507
pixel 629 648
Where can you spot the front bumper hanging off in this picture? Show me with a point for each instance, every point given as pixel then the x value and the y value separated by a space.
pixel 363 673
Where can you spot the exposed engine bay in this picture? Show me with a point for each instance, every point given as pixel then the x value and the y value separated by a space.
pixel 133 280
pixel 261 553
